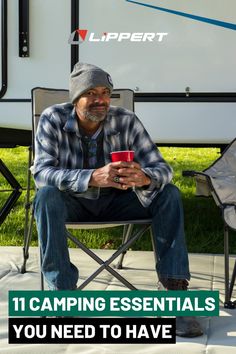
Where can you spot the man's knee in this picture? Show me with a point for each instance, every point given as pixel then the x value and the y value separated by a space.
pixel 169 197
pixel 172 192
pixel 48 196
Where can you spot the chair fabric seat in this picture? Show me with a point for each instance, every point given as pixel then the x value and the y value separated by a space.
pixel 219 180
pixel 105 224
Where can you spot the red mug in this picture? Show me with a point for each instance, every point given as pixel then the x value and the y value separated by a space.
pixel 125 155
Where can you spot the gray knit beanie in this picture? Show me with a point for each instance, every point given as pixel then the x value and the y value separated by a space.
pixel 86 76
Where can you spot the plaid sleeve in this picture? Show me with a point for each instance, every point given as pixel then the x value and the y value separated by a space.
pixel 48 165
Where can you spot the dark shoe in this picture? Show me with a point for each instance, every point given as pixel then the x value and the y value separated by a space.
pixel 174 284
pixel 188 327
pixel 185 326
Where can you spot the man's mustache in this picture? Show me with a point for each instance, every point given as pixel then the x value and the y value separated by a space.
pixel 94 105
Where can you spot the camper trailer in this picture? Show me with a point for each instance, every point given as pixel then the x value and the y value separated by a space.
pixel 177 56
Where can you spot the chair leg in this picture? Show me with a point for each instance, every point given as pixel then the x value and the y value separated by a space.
pixel 105 265
pixel 127 231
pixel 28 220
pixel 232 283
pixel 126 235
pixel 154 247
pixel 27 244
pixel 41 273
pixel 228 286
pixel 226 249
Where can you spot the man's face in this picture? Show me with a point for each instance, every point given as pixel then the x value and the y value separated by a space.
pixel 93 105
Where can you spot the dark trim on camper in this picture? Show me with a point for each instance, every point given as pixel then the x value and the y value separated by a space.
pixel 185 97
pixel 24 28
pixel 166 97
pixel 74 26
pixel 18 100
pixel 4 67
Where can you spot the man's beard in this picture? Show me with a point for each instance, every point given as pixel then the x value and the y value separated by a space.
pixel 95 116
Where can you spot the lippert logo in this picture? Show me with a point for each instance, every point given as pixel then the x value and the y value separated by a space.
pixel 81 35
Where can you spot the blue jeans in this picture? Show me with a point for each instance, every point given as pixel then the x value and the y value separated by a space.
pixel 52 208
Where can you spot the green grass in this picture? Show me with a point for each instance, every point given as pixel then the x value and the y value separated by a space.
pixel 203 223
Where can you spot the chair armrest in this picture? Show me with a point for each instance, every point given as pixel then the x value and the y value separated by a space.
pixel 189 173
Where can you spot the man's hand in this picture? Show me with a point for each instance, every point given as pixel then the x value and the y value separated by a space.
pixel 132 175
pixel 129 175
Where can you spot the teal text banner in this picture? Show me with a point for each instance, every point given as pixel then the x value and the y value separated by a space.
pixel 113 303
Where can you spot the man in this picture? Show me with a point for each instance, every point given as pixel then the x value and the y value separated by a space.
pixel 77 181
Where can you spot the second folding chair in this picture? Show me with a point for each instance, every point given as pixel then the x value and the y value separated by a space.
pixel 219 181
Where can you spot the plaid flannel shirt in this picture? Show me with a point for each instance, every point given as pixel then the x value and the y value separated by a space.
pixel 59 155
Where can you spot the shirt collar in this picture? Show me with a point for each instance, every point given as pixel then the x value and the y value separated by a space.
pixel 72 125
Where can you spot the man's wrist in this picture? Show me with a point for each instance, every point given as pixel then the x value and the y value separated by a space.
pixel 91 182
pixel 148 181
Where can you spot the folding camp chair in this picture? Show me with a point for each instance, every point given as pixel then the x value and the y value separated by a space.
pixel 42 98
pixel 219 181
